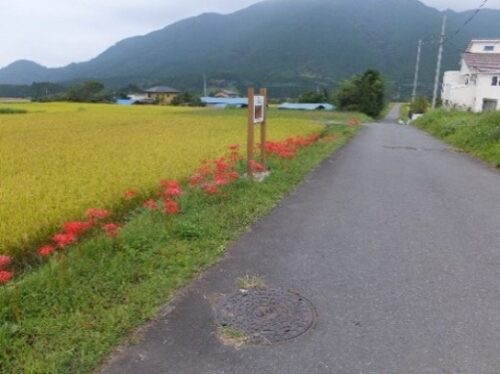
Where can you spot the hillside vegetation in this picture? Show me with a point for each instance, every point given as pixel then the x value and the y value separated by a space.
pixel 287 45
pixel 478 134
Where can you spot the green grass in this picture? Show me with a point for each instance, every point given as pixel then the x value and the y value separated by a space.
pixel 404 112
pixel 478 134
pixel 66 315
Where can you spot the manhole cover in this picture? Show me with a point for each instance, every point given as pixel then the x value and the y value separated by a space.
pixel 267 316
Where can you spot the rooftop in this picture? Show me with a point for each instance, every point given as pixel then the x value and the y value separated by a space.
pixel 307 106
pixel 483 62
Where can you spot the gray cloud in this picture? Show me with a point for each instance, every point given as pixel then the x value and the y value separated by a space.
pixel 57 32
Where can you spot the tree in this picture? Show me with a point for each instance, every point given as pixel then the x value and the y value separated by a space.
pixel 314 97
pixel 365 93
pixel 187 99
pixel 89 92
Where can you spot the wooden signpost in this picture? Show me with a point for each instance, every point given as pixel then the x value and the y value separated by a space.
pixel 257 113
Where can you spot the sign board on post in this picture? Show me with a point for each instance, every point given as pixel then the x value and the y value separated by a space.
pixel 256 115
pixel 259 104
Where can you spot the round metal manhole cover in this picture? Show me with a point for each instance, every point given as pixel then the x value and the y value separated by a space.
pixel 266 316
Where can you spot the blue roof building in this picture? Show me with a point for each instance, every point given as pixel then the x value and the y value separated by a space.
pixel 223 102
pixel 306 106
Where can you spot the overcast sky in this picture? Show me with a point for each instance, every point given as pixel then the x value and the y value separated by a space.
pixel 57 32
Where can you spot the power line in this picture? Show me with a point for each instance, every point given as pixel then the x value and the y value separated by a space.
pixel 469 20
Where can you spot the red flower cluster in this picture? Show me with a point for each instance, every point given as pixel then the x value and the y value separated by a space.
pixel 353 122
pixel 172 191
pixel 288 149
pixel 77 228
pixel 210 176
pixel 150 204
pixel 5 261
pixel 172 207
pixel 46 250
pixel 5 275
pixel 255 167
pixel 111 229
pixel 64 239
pixel 130 194
pixel 97 214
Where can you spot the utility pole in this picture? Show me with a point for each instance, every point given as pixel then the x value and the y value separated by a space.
pixel 417 69
pixel 440 58
pixel 205 85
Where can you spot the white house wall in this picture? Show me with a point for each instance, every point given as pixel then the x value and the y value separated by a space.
pixel 478 46
pixel 486 91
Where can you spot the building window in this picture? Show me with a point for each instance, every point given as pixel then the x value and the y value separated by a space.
pixel 494 81
pixel 489 48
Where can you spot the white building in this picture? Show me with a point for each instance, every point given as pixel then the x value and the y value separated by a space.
pixel 476 86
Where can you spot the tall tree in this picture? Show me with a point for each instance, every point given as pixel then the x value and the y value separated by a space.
pixel 364 93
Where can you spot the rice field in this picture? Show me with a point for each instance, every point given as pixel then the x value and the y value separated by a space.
pixel 58 159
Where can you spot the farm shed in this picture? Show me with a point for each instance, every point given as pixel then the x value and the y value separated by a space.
pixel 220 102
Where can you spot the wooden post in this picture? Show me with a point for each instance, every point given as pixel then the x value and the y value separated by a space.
pixel 250 131
pixel 263 129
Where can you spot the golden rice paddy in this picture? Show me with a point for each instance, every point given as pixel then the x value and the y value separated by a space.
pixel 59 159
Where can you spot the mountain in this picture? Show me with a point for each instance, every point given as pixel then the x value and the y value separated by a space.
pixel 285 44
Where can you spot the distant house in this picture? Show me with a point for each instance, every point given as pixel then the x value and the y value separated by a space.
pixel 162 94
pixel 306 106
pixel 476 86
pixel 220 102
pixel 226 94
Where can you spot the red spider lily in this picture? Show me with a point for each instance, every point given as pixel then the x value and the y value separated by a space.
pixel 63 240
pixel 221 166
pixel 221 180
pixel 97 214
pixel 131 194
pixel 111 229
pixel 233 176
pixel 5 276
pixel 46 250
pixel 256 167
pixel 196 180
pixel 172 207
pixel 150 204
pixel 172 188
pixel 210 188
pixel 353 122
pixel 205 169
pixel 5 261
pixel 234 147
pixel 77 228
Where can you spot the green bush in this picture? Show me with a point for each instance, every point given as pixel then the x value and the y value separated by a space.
pixel 12 111
pixel 420 105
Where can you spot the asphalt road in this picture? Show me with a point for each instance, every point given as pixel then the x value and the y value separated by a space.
pixel 396 241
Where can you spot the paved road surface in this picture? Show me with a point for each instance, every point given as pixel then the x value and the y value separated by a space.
pixel 396 241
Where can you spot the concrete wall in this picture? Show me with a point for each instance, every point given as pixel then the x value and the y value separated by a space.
pixel 456 94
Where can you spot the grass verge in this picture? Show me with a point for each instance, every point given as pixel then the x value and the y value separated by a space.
pixel 67 315
pixel 478 134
